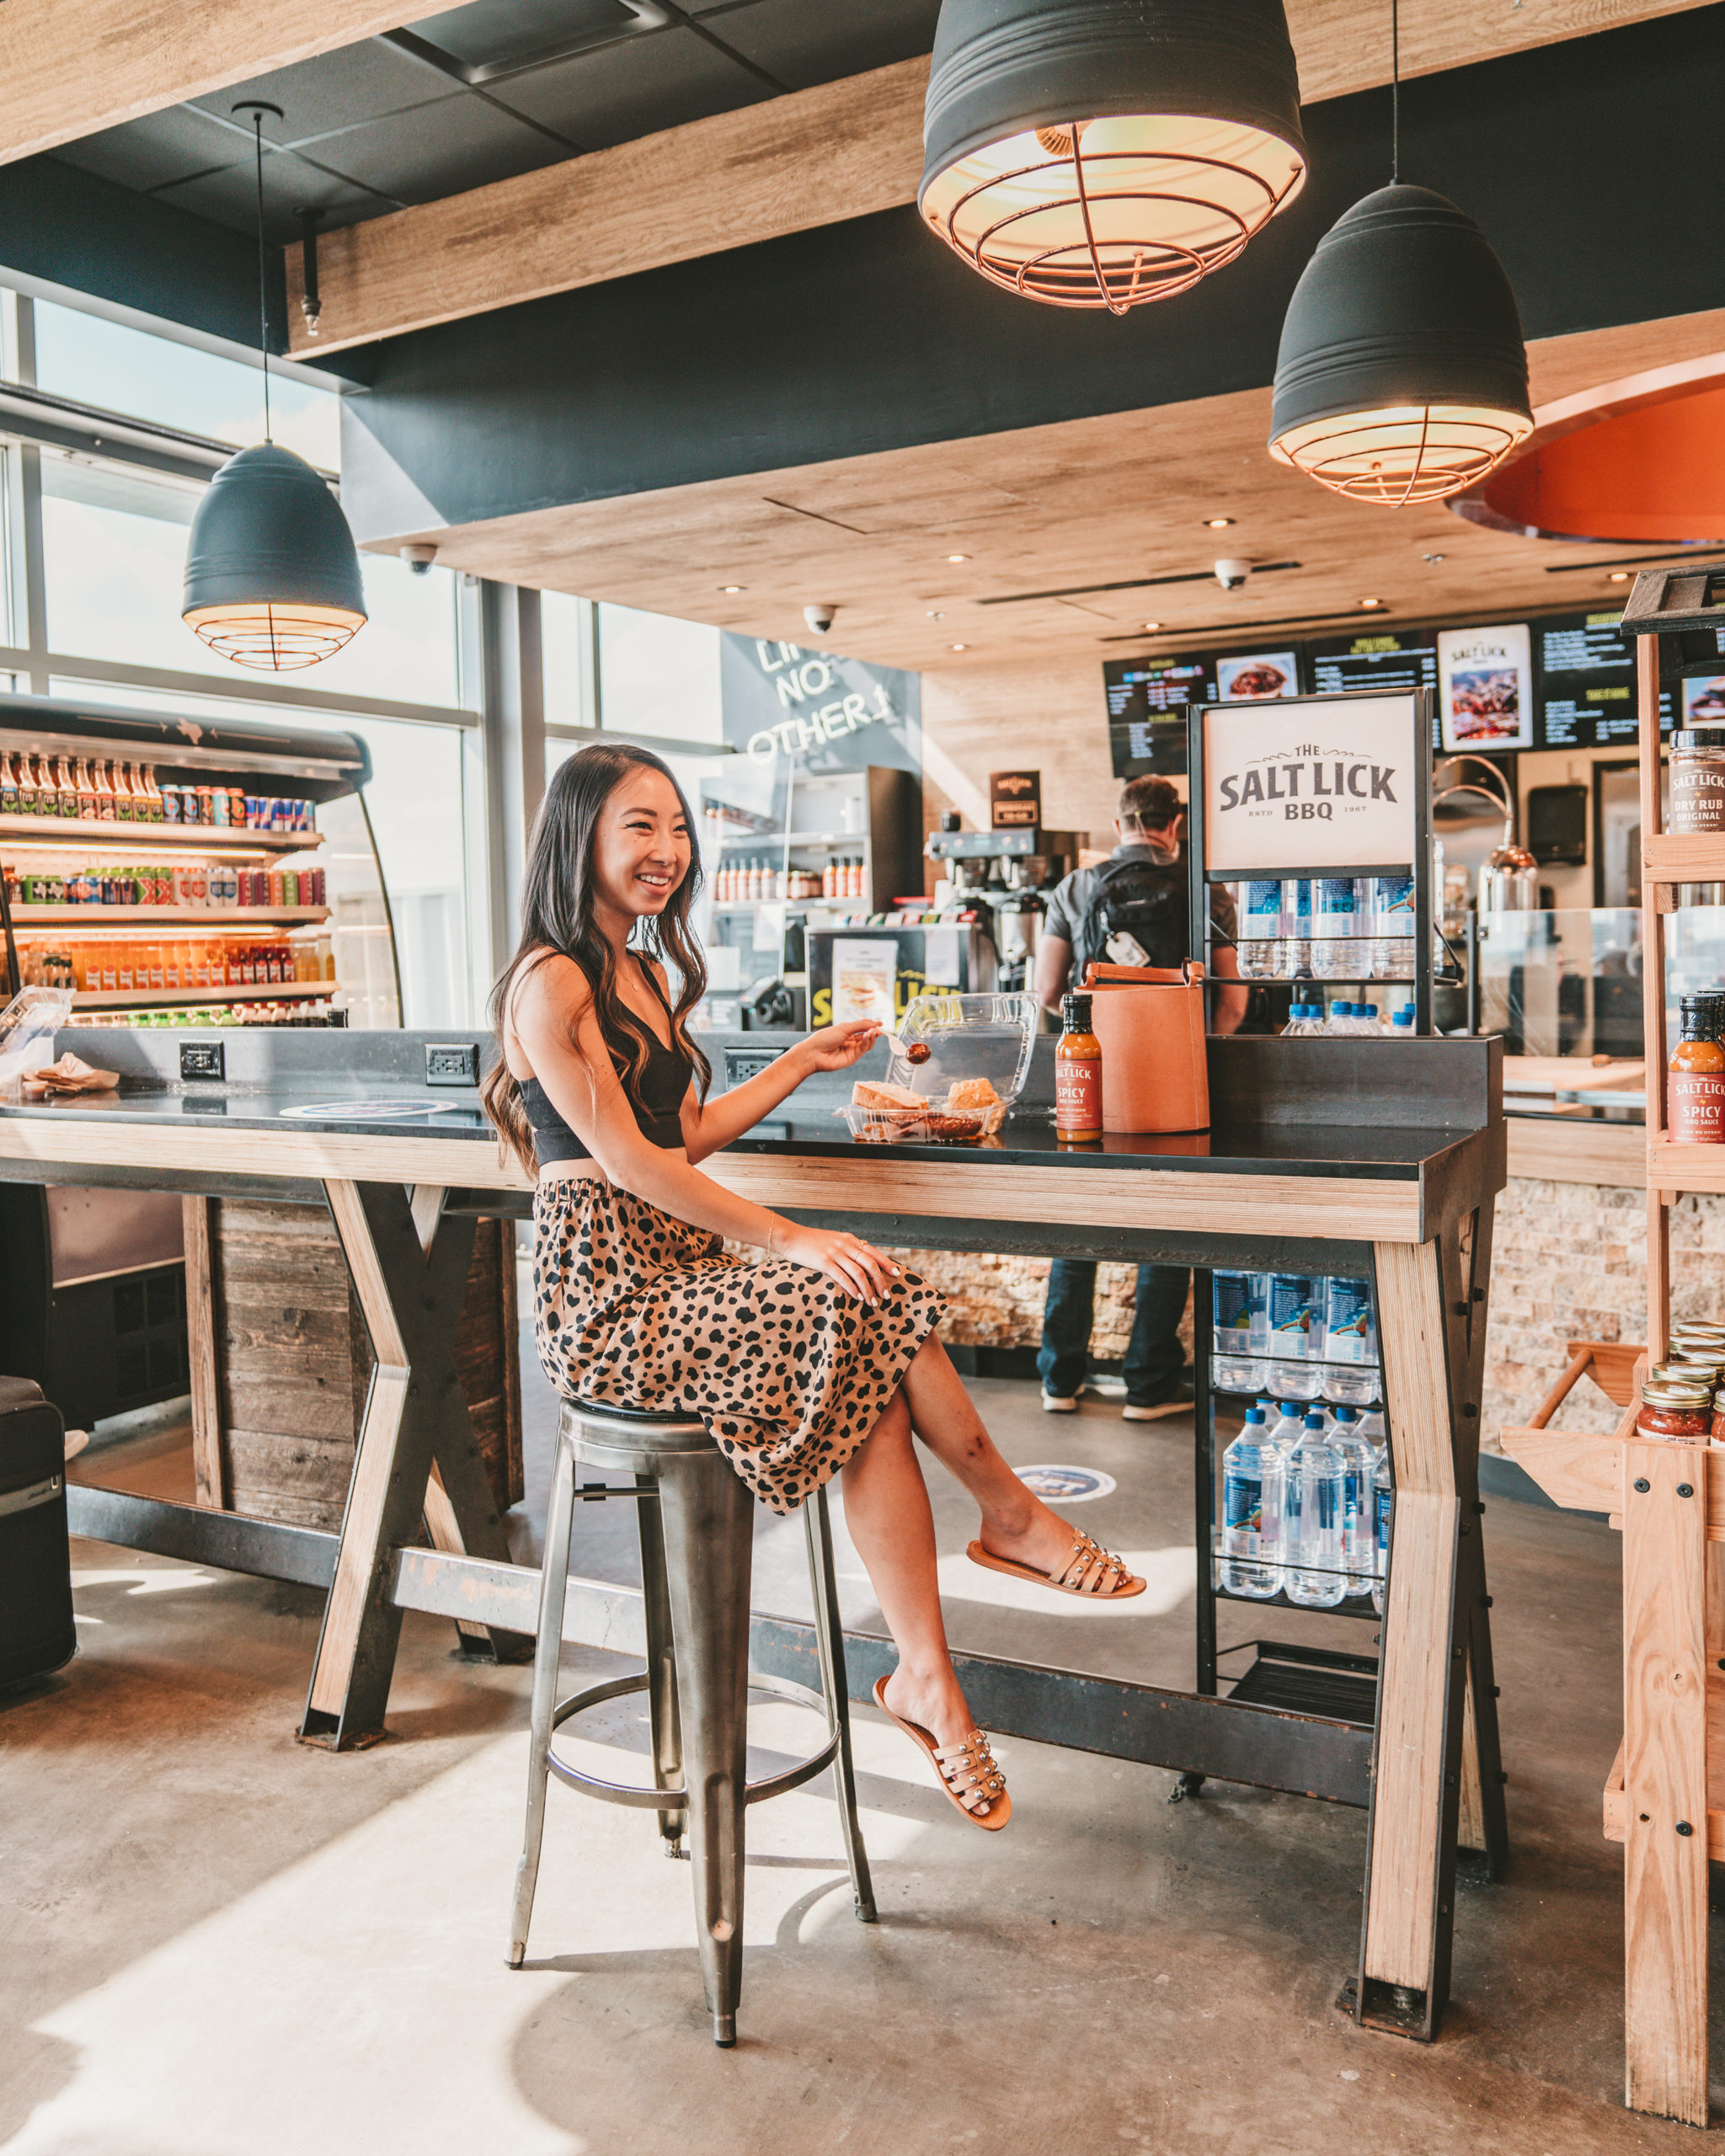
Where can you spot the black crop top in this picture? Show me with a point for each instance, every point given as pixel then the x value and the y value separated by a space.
pixel 664 1081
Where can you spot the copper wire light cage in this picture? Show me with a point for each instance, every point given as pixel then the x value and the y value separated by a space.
pixel 274 638
pixel 1405 454
pixel 1103 153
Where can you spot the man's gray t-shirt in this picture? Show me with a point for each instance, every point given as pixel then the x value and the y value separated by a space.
pixel 1070 899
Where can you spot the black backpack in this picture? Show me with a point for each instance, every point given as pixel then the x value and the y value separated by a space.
pixel 1144 899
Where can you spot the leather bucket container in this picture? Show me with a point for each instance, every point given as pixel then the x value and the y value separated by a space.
pixel 1150 1022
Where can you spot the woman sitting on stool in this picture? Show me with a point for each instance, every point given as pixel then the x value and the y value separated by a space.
pixel 823 1357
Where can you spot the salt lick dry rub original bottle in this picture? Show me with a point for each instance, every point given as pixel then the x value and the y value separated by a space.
pixel 1695 1086
pixel 1077 1073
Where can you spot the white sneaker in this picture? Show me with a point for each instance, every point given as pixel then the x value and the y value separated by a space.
pixel 1053 1404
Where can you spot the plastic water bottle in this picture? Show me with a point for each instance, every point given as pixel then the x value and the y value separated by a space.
pixel 1383 1509
pixel 1371 1428
pixel 1289 1427
pixel 1294 952
pixel 1252 1476
pixel 1335 924
pixel 1360 1467
pixel 1369 1026
pixel 1402 1024
pixel 1260 927
pixel 1312 1483
pixel 1305 1021
pixel 1241 1332
pixel 1392 927
pixel 1295 1306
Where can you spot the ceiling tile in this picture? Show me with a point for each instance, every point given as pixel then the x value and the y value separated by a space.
pixel 637 88
pixel 807 42
pixel 157 149
pixel 468 143
pixel 504 32
pixel 337 89
pixel 289 185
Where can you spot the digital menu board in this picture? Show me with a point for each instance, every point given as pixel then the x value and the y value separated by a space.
pixel 1586 683
pixel 1147 700
pixel 1386 659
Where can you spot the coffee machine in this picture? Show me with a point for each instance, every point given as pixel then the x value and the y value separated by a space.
pixel 1010 874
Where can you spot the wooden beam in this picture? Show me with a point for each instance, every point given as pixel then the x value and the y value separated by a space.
pixel 72 68
pixel 791 164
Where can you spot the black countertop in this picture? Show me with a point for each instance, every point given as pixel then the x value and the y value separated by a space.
pixel 1026 1139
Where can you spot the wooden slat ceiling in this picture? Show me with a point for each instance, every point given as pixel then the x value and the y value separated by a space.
pixel 1088 502
pixel 796 163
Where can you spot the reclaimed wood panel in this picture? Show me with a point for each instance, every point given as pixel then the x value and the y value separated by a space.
pixel 1665 1781
pixel 202 1353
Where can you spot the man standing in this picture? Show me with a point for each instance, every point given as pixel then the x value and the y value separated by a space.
pixel 1141 891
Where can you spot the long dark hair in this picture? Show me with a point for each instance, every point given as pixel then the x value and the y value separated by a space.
pixel 556 917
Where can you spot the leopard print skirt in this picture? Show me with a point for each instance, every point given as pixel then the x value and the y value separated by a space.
pixel 633 1307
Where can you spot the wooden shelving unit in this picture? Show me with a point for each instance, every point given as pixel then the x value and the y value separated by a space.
pixel 140 838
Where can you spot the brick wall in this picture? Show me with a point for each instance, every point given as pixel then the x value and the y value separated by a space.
pixel 996 1302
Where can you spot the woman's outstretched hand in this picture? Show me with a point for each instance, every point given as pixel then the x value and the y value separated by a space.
pixel 836 1048
pixel 855 1265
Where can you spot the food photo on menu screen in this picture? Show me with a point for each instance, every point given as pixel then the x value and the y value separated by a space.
pixel 1253 680
pixel 1704 702
pixel 1485 678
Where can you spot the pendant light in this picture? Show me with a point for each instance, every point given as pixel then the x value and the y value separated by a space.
pixel 1403 375
pixel 1100 153
pixel 272 579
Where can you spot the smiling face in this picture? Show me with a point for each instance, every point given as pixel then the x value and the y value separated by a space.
pixel 641 845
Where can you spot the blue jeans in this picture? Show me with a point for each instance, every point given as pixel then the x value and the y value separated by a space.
pixel 1154 1358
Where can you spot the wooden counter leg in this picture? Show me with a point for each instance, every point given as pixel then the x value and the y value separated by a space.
pixel 1665 1781
pixel 1433 1633
pixel 415 1412
pixel 201 1345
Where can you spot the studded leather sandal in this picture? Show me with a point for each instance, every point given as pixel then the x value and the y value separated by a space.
pixel 1089 1571
pixel 969 1772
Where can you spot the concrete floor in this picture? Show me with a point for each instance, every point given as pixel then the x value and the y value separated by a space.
pixel 211 1939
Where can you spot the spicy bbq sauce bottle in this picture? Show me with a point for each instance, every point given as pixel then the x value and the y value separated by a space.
pixel 1078 1076
pixel 1694 1083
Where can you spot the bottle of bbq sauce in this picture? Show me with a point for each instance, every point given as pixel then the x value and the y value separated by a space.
pixel 1078 1076
pixel 1695 1086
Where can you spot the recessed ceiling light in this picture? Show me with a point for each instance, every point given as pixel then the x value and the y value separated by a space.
pixel 957 557
pixel 961 647
pixel 1371 602
pixel 935 615
pixel 1618 576
pixel 734 587
pixel 1431 558
pixel 1218 523
pixel 1152 625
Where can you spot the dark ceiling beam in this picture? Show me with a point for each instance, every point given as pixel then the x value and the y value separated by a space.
pixel 797 163
pixel 72 68
pixel 870 336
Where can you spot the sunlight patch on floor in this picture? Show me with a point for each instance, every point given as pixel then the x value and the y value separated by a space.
pixel 1170 1576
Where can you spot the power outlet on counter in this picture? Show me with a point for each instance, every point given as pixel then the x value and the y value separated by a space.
pixel 202 1059
pixel 455 1063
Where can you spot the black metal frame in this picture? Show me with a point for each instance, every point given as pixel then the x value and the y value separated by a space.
pixel 1420 866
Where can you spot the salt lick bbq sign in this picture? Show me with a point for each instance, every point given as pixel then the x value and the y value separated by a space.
pixel 1323 783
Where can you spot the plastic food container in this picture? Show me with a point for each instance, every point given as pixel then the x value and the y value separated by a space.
pixel 967 1037
pixel 28 1025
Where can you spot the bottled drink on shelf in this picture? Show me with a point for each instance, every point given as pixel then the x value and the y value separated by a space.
pixel 9 786
pixel 1360 1467
pixel 1311 1520
pixel 1335 925
pixel 1251 1472
pixel 1262 924
pixel 1241 1332
pixel 1294 1315
pixel 1305 1021
pixel 1383 1512
pixel 105 811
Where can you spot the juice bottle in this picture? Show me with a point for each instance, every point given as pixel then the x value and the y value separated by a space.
pixel 154 812
pixel 29 799
pixel 1077 1075
pixel 1694 1087
pixel 101 773
pixel 85 786
pixel 8 786
pixel 124 802
pixel 65 787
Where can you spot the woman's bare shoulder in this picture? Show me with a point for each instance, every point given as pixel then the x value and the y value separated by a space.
pixel 548 989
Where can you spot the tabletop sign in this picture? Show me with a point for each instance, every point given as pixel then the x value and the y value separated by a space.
pixel 1324 783
pixel 1015 800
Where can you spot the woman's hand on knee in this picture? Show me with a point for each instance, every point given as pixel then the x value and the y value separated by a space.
pixel 855 1265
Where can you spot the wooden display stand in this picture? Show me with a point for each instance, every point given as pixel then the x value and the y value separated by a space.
pixel 1668 1498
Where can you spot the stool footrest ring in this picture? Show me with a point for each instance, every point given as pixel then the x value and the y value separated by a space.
pixel 677 1800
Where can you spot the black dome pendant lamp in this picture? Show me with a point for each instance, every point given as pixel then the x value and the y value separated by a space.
pixel 1101 153
pixel 272 578
pixel 1403 375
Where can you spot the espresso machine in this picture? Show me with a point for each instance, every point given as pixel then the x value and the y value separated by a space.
pixel 1010 874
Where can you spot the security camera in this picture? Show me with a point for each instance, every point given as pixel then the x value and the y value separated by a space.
pixel 419 557
pixel 1232 575
pixel 820 618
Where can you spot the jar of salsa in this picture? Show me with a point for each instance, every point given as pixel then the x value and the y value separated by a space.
pixel 1675 1410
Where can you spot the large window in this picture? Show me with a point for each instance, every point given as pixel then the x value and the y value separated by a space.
pixel 92 614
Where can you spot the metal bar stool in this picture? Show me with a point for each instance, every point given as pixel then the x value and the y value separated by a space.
pixel 696 1518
